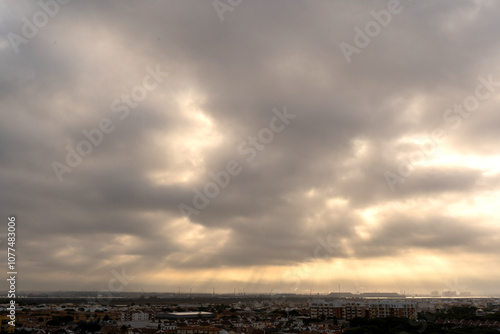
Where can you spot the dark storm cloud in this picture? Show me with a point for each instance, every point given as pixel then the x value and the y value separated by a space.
pixel 349 121
pixel 401 233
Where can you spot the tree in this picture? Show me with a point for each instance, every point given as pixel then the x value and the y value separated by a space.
pixel 67 318
pixel 52 322
pixel 89 327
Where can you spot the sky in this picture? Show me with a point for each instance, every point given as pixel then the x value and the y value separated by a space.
pixel 253 145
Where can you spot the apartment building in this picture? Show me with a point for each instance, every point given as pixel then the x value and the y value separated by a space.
pixel 138 315
pixel 348 309
pixel 390 308
pixel 354 309
pixel 319 308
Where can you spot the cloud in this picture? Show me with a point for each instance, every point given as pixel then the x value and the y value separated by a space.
pixel 322 175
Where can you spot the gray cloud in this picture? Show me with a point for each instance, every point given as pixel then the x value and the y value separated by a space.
pixel 353 123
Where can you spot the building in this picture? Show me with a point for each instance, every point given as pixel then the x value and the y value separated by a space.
pixel 198 330
pixel 138 315
pixel 330 309
pixel 185 315
pixel 449 293
pixel 353 309
pixel 348 309
pixel 390 308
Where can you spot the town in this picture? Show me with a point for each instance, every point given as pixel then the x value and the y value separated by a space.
pixel 253 314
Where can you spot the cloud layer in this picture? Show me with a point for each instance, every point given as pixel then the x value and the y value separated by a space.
pixel 359 168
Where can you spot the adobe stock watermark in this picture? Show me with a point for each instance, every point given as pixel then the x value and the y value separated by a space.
pixel 94 137
pixel 324 249
pixel 420 324
pixel 453 117
pixel 248 148
pixel 117 283
pixel 455 286
pixel 223 6
pixel 31 28
pixel 373 28
pixel 452 286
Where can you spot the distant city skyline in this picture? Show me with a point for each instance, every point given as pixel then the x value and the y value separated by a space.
pixel 241 292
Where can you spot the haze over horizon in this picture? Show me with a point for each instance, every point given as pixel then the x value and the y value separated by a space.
pixel 249 144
